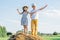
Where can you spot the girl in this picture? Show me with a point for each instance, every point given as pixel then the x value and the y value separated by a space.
pixel 24 19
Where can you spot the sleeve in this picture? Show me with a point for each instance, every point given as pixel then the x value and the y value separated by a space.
pixel 30 11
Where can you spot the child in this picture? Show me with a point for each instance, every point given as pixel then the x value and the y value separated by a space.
pixel 24 19
pixel 34 19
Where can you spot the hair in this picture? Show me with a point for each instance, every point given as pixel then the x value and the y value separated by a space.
pixel 24 7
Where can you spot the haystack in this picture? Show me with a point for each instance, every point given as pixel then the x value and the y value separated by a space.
pixel 22 36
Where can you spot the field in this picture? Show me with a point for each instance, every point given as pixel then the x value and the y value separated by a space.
pixel 44 38
pixel 51 37
pixel 5 38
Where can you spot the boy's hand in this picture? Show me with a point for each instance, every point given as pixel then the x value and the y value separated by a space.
pixel 43 7
pixel 46 5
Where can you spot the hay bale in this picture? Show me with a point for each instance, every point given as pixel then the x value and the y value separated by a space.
pixel 22 36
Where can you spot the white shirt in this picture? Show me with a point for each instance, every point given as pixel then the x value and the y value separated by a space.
pixel 34 15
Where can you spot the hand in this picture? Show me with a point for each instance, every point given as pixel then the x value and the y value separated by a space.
pixel 46 5
pixel 43 7
pixel 17 9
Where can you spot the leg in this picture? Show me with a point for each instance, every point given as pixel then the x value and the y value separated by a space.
pixel 36 27
pixel 32 27
pixel 25 29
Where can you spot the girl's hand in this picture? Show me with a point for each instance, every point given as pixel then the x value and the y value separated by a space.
pixel 17 9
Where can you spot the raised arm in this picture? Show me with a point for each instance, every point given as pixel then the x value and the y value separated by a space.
pixel 18 11
pixel 31 13
pixel 43 7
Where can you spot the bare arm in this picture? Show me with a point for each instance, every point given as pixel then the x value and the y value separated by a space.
pixel 18 11
pixel 43 7
pixel 40 9
pixel 31 14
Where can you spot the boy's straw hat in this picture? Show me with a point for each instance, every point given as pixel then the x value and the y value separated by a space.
pixel 33 4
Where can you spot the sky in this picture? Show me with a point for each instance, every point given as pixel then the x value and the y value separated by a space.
pixel 49 18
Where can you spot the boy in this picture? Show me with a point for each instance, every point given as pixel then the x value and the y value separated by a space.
pixel 34 19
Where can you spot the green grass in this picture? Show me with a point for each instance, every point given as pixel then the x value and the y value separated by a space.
pixel 4 38
pixel 51 37
pixel 57 37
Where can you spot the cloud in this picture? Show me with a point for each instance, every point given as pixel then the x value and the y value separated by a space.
pixel 12 25
pixel 13 21
pixel 52 13
pixel 9 21
pixel 50 17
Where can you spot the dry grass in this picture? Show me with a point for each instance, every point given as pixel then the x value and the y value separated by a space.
pixel 22 36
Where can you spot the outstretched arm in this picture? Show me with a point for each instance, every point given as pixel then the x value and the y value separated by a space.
pixel 31 13
pixel 18 11
pixel 43 7
pixel 39 9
